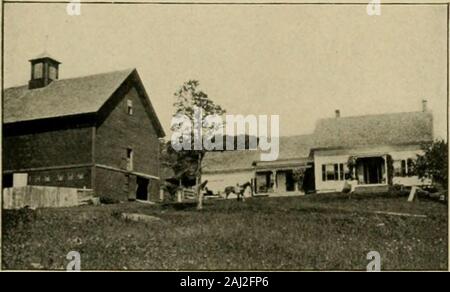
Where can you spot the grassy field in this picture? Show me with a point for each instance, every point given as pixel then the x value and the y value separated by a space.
pixel 325 232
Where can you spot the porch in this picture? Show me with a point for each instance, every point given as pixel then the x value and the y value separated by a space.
pixel 367 171
pixel 288 179
pixel 371 170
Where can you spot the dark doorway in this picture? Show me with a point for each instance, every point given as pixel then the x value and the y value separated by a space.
pixel 290 182
pixel 142 188
pixel 7 181
pixel 309 184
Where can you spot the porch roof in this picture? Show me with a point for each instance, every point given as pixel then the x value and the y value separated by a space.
pixel 284 164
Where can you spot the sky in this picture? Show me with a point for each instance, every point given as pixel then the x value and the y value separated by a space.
pixel 299 62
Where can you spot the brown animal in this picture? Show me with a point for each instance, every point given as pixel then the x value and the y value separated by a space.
pixel 238 190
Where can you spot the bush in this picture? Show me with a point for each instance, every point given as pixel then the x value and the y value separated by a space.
pixel 399 190
pixel 434 163
pixel 18 218
pixel 116 214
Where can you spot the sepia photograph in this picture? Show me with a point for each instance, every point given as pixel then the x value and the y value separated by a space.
pixel 233 137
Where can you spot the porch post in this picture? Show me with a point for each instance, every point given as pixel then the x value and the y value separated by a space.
pixel 255 184
pixel 275 183
pixel 386 168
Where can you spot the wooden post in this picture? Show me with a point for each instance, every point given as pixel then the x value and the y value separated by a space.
pixel 198 183
pixel 386 169
pixel 412 194
pixel 275 183
pixel 161 195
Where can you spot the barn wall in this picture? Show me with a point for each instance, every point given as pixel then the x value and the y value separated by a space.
pixel 120 131
pixel 113 184
pixel 57 147
pixel 73 177
pixel 121 186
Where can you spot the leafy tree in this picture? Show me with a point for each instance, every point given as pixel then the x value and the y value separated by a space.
pixel 351 165
pixel 434 163
pixel 189 162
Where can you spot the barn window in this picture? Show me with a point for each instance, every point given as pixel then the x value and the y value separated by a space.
pixel 130 107
pixel 38 71
pixel 52 73
pixel 129 159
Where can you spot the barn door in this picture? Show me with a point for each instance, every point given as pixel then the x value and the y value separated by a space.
pixel 142 188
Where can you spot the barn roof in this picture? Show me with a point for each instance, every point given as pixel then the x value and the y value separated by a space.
pixel 292 147
pixel 66 97
pixel 368 130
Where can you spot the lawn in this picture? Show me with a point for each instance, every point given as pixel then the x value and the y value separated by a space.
pixel 324 232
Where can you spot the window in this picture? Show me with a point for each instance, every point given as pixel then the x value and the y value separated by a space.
pixel 404 167
pixel 38 71
pixel 335 172
pixel 397 164
pixel 60 177
pixel 47 178
pixel 346 172
pixel 410 167
pixel 70 176
pixel 130 107
pixel 37 179
pixel 52 72
pixel 403 171
pixel 80 175
pixel 330 171
pixel 129 159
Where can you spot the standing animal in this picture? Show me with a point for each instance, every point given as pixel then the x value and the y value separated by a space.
pixel 238 190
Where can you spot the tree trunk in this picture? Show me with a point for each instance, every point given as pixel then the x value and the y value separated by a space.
pixel 198 181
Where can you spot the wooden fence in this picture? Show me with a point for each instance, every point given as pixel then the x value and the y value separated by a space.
pixel 44 197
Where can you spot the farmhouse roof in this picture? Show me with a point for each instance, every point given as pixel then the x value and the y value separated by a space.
pixel 67 97
pixel 370 130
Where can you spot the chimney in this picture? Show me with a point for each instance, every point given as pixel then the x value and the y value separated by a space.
pixel 44 70
pixel 337 113
pixel 424 105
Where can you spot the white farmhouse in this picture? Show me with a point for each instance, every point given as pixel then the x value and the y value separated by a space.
pixel 383 148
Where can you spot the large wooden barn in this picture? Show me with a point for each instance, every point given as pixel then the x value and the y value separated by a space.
pixel 98 132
